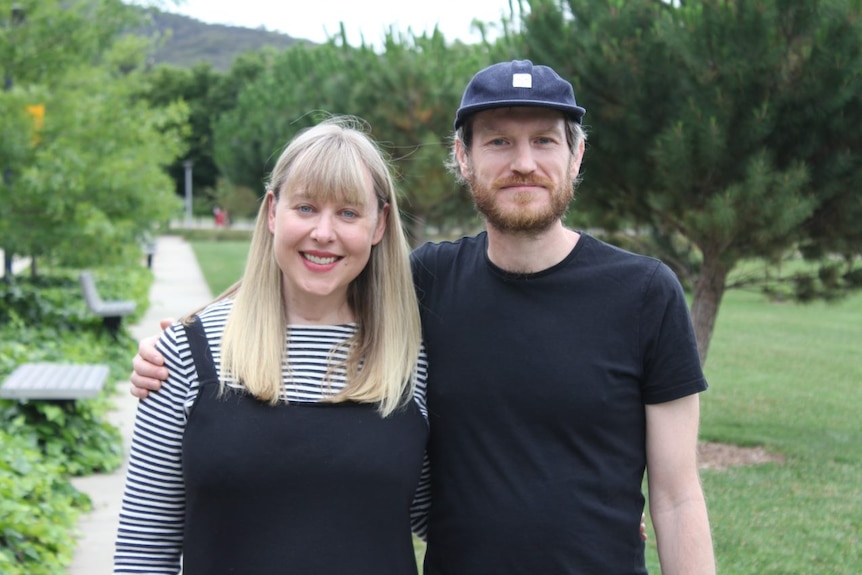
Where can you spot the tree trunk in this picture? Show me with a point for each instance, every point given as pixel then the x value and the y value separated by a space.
pixel 7 266
pixel 708 292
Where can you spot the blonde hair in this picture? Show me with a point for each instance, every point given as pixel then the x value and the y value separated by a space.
pixel 327 161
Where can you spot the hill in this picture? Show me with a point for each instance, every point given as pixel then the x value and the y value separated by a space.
pixel 186 41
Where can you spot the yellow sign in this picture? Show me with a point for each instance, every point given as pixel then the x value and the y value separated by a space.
pixel 37 111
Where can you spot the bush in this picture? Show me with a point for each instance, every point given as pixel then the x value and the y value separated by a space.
pixel 70 434
pixel 38 511
pixel 44 442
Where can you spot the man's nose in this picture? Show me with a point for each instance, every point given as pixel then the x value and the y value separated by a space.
pixel 523 161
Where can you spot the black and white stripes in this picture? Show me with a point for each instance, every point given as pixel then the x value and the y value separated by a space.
pixel 150 535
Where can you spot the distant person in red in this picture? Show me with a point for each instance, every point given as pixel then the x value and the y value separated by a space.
pixel 220 217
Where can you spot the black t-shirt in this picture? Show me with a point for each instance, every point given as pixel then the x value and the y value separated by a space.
pixel 536 393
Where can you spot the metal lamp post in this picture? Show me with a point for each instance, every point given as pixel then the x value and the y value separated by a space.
pixel 188 164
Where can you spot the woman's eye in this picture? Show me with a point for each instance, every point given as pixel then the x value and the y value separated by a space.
pixel 304 209
pixel 350 214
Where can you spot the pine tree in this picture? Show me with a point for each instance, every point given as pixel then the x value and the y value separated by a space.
pixel 722 130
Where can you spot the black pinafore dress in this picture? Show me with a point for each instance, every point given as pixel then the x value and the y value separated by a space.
pixel 305 489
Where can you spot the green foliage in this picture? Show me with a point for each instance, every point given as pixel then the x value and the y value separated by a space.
pixel 109 167
pixel 46 442
pixel 31 54
pixel 207 94
pixel 730 124
pixel 85 186
pixel 238 201
pixel 73 435
pixel 38 510
pixel 47 320
pixel 299 86
pixel 271 107
pixel 428 75
pixel 34 308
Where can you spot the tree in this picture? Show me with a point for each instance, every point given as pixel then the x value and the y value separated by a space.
pixel 91 182
pixel 409 93
pixel 727 130
pixel 290 93
pixel 168 85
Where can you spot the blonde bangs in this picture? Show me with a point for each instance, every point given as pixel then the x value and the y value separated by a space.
pixel 330 170
pixel 330 162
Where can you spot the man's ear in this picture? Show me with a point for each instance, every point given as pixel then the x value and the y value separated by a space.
pixel 461 158
pixel 577 157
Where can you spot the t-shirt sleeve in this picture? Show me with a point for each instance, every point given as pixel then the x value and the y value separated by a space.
pixel 671 362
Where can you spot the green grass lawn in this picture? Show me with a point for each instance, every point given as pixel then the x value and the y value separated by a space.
pixel 783 376
pixel 222 262
pixel 787 377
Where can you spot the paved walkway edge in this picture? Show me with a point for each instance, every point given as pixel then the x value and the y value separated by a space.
pixel 178 288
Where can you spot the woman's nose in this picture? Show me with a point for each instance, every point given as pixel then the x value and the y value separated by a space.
pixel 323 230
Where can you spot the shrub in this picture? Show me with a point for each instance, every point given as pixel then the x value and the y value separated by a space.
pixel 44 443
pixel 38 510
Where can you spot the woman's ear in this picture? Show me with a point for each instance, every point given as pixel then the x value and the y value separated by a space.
pixel 380 230
pixel 271 203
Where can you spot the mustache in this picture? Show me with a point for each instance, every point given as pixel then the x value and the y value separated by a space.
pixel 523 181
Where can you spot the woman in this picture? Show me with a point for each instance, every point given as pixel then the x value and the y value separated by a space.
pixel 290 434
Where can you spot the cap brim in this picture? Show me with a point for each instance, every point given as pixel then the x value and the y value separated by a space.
pixel 574 112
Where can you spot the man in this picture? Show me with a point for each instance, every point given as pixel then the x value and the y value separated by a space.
pixel 560 367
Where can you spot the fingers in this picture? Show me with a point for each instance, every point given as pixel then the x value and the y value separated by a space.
pixel 142 379
pixel 643 527
pixel 147 370
pixel 139 392
pixel 148 365
pixel 148 359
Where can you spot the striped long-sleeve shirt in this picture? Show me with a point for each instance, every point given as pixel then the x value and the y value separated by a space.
pixel 150 536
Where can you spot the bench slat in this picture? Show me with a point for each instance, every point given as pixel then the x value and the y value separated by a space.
pixel 97 305
pixel 54 381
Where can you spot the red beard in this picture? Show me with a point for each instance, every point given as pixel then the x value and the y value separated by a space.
pixel 521 217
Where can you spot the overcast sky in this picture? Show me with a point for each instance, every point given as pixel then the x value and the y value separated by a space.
pixel 316 20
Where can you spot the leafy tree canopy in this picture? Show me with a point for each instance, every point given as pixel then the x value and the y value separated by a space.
pixel 725 130
pixel 86 181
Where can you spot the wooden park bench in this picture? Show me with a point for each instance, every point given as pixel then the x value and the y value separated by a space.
pixel 111 312
pixel 54 381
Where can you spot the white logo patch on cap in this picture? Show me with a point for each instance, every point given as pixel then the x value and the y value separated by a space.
pixel 522 80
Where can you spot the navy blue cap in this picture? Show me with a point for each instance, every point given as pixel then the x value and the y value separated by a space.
pixel 518 83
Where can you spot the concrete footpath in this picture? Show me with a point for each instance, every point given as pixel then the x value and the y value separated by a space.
pixel 179 288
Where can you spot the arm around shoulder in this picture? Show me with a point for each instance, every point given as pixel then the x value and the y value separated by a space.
pixel 148 365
